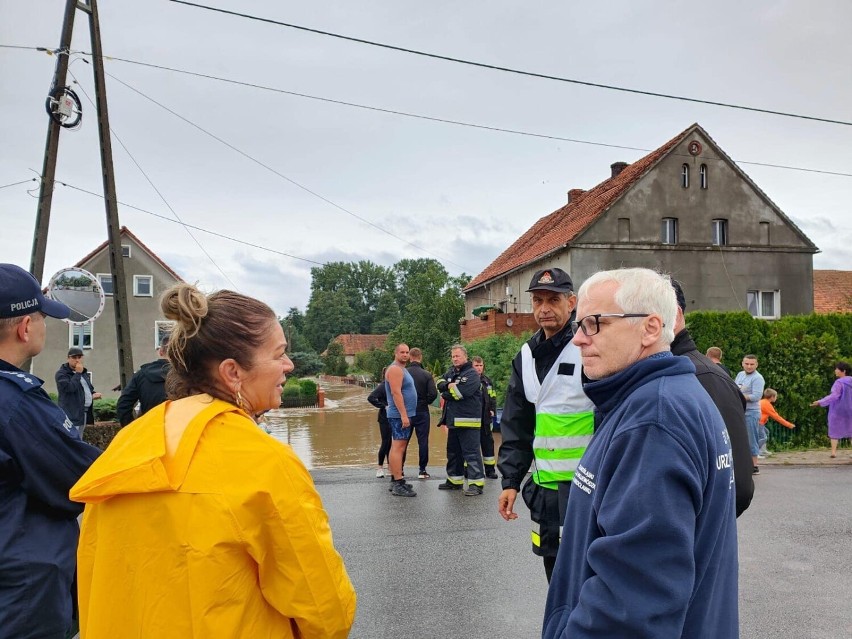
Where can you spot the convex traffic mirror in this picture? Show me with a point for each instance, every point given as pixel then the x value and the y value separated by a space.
pixel 80 291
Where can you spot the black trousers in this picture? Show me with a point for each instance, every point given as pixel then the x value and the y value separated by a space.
pixel 385 431
pixel 420 424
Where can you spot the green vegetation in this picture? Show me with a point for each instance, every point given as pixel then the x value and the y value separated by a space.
pixel 334 362
pixel 498 351
pixel 104 410
pixel 415 301
pixel 296 387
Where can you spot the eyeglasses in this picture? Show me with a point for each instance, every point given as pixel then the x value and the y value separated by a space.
pixel 591 324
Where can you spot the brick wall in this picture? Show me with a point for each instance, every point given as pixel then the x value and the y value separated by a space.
pixel 494 323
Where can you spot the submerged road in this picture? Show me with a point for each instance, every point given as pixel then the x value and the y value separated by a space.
pixel 442 565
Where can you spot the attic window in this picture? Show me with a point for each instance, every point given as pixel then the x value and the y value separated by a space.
pixel 125 250
pixel 684 176
pixel 702 174
pixel 720 232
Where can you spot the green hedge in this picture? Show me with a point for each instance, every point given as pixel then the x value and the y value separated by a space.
pixel 796 356
pixel 299 388
pixel 497 351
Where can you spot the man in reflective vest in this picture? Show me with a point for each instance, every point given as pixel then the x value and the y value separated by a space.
pixel 547 419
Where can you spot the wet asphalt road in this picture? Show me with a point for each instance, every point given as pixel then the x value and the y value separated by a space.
pixel 447 566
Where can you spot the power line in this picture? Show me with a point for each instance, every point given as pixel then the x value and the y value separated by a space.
pixel 6 186
pixel 153 186
pixel 284 177
pixel 192 226
pixel 407 114
pixel 493 67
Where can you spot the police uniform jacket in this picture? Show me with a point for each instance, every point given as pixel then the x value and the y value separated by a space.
pixel 40 459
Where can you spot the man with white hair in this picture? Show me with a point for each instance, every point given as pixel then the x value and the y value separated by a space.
pixel 649 545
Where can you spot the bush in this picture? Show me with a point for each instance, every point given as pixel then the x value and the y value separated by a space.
pixel 296 387
pixel 104 410
pixel 309 387
pixel 498 351
pixel 293 388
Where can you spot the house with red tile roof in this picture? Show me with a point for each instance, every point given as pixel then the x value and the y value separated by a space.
pixel 147 277
pixel 686 209
pixel 832 291
pixel 354 344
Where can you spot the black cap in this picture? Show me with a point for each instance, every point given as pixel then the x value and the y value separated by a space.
pixel 551 279
pixel 681 298
pixel 75 350
pixel 20 294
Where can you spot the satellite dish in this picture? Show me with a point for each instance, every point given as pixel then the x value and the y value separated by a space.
pixel 80 291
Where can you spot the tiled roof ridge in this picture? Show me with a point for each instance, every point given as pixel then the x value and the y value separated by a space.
pixel 124 231
pixel 567 222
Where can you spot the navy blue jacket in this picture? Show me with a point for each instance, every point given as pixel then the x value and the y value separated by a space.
pixel 40 460
pixel 649 544
pixel 71 395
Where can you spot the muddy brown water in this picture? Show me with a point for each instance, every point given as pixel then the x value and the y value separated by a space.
pixel 345 432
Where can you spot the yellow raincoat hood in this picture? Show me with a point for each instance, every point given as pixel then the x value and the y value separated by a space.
pixel 199 524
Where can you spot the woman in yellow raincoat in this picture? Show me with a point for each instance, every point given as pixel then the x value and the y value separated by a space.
pixel 198 524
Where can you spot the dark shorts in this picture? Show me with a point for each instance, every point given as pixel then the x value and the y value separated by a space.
pixel 397 431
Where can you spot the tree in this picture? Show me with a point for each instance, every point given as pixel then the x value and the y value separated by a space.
pixel 334 361
pixel 387 315
pixel 305 364
pixel 430 319
pixel 328 316
pixel 374 361
pixel 362 283
pixel 293 325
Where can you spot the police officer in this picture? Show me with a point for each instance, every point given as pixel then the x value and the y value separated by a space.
pixel 547 419
pixel 40 459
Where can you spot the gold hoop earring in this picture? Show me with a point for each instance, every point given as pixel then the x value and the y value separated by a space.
pixel 239 399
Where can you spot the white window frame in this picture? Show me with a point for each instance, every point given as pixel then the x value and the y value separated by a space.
pixel 702 174
pixel 101 277
pixel 759 311
pixel 83 330
pixel 719 232
pixel 669 231
pixel 139 278
pixel 684 176
pixel 159 326
pixel 125 250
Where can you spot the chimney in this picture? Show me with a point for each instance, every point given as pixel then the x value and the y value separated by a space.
pixel 574 195
pixel 618 167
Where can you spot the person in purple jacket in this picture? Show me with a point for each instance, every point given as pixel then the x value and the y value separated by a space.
pixel 649 542
pixel 839 402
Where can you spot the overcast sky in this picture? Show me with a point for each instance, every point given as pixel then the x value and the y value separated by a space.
pixel 460 194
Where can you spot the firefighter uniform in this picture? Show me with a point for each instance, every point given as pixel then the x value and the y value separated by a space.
pixel 486 439
pixel 463 407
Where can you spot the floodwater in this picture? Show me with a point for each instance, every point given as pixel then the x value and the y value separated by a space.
pixel 345 432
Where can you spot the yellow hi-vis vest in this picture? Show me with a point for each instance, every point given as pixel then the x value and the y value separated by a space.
pixel 564 417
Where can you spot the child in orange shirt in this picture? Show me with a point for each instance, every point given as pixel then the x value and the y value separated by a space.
pixel 767 410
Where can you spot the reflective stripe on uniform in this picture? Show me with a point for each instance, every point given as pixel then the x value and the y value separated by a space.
pixel 467 422
pixel 489 461
pixel 456 479
pixel 454 391
pixel 535 534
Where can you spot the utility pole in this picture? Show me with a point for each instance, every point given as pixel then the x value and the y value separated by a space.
pixel 122 319
pixel 119 289
pixel 51 148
